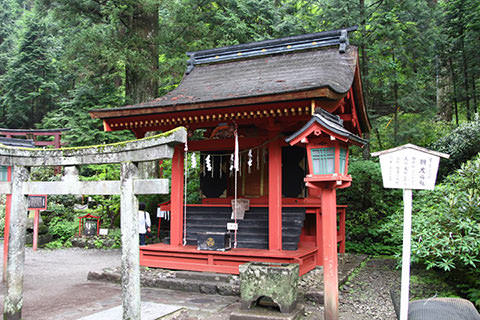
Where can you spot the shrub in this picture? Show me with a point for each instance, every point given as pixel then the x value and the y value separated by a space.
pixel 368 205
pixel 62 229
pixel 462 144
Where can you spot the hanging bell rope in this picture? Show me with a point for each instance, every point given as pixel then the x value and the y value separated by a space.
pixel 185 174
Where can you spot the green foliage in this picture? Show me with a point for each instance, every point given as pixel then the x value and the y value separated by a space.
pixel 414 128
pixel 56 244
pixel 369 204
pixel 62 229
pixel 106 207
pixel 461 144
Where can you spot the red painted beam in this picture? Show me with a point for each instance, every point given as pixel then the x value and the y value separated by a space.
pixel 176 197
pixel 275 195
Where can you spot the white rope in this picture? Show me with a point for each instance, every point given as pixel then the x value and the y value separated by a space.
pixel 236 168
pixel 185 174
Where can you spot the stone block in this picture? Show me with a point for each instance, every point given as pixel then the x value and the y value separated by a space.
pixel 277 281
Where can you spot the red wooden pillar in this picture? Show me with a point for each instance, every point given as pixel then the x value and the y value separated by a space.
pixel 36 220
pixel 176 196
pixel 6 230
pixel 275 195
pixel 319 237
pixel 56 141
pixel 342 229
pixel 330 258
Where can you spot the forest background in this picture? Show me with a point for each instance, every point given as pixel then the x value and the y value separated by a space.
pixel 420 68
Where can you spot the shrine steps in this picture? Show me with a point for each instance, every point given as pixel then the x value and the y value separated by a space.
pixel 252 230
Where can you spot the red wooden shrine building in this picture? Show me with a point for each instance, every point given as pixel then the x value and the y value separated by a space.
pixel 295 105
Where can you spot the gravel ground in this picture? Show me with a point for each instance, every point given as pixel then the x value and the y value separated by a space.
pixel 366 295
pixel 57 279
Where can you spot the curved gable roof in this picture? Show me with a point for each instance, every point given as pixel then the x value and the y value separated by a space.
pixel 319 65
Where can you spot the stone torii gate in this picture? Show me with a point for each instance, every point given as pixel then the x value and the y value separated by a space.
pixel 128 154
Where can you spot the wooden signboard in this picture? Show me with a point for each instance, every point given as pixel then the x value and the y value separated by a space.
pixel 408 167
pixel 37 202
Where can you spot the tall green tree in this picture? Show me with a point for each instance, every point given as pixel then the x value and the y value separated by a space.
pixel 30 90
pixel 9 13
pixel 461 25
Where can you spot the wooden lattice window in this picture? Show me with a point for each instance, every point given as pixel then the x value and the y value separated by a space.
pixel 343 160
pixel 323 160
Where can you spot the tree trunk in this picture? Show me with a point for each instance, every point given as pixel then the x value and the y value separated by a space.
pixel 141 82
pixel 465 76
pixel 395 96
pixel 474 95
pixel 444 105
pixel 379 138
pixel 455 103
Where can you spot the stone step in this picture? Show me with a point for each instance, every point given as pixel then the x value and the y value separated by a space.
pixel 190 281
pixel 206 276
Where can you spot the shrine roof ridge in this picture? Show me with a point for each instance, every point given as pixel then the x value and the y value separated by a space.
pixel 269 47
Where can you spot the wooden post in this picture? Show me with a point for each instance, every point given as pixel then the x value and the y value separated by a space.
pixel 36 219
pixel 130 243
pixel 407 236
pixel 176 198
pixel 330 258
pixel 275 195
pixel 12 308
pixel 6 230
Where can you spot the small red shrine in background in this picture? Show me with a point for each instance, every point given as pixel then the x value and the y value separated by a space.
pixel 33 134
pixel 296 105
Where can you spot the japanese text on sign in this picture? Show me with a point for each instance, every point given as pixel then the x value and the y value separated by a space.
pixel 409 169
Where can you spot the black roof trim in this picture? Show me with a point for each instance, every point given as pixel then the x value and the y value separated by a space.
pixel 268 47
pixel 34 130
pixel 331 122
pixel 14 142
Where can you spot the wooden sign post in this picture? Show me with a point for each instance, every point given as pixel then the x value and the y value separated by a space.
pixel 37 203
pixel 408 167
